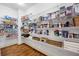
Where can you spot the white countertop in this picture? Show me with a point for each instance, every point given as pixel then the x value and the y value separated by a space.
pixel 73 40
pixel 48 49
pixel 49 37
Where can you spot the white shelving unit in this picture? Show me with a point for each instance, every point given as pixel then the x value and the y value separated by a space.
pixel 51 36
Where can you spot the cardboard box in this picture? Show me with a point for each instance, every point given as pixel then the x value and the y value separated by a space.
pixel 76 21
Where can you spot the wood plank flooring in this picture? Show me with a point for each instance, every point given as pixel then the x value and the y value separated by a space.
pixel 20 50
pixel 0 52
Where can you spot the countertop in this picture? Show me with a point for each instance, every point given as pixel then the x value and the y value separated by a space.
pixel 48 49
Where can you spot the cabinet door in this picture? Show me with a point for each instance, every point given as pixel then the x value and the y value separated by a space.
pixel 74 47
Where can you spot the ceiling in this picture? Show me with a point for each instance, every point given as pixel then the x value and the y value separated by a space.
pixel 17 6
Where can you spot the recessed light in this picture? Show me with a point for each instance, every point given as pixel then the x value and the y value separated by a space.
pixel 20 3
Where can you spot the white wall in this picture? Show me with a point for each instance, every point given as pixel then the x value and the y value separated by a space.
pixel 4 10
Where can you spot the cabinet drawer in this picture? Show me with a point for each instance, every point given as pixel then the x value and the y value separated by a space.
pixel 71 44
pixel 71 49
pixel 74 47
pixel 56 43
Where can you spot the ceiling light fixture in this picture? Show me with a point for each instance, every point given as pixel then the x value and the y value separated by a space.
pixel 20 3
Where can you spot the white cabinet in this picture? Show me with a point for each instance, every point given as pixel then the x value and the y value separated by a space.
pixel 7 42
pixel 2 42
pixel 48 49
pixel 71 46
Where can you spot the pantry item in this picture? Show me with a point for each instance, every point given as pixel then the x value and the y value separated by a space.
pixel 69 11
pixel 70 35
pixel 25 35
pixel 65 34
pixel 62 9
pixel 56 32
pixel 76 21
pixel 76 6
pixel 76 36
pixel 67 24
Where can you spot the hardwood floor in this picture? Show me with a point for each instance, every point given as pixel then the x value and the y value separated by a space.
pixel 0 52
pixel 20 50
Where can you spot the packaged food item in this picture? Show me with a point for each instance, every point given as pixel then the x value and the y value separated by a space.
pixel 40 31
pixel 62 14
pixel 1 32
pixel 53 15
pixel 76 21
pixel 46 32
pixel 62 9
pixel 57 14
pixel 76 36
pixel 1 26
pixel 65 34
pixel 25 35
pixel 70 35
pixel 8 26
pixel 67 24
pixel 56 32
pixel 76 6
pixel 7 21
pixel 8 17
pixel 70 11
pixel 24 18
